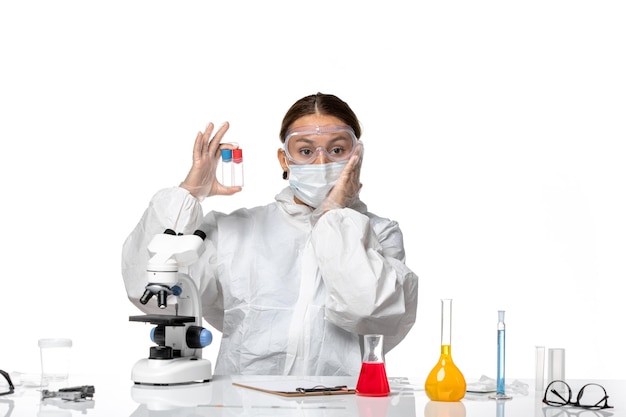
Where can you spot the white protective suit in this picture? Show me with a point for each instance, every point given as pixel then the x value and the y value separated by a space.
pixel 289 297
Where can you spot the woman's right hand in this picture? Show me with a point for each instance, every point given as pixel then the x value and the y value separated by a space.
pixel 201 180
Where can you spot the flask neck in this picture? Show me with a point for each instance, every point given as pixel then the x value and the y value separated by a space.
pixel 446 322
pixel 446 350
pixel 373 345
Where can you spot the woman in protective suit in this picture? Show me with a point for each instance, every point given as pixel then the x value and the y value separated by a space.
pixel 292 285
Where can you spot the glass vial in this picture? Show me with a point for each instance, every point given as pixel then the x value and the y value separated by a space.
pixel 373 380
pixel 445 382
pixel 237 167
pixel 556 364
pixel 540 360
pixel 227 168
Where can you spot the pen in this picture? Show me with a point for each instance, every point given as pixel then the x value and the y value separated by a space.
pixel 321 388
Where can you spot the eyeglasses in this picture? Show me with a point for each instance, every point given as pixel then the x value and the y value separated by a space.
pixel 590 396
pixel 304 143
pixel 8 378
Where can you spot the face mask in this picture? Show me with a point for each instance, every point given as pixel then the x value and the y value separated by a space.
pixel 311 183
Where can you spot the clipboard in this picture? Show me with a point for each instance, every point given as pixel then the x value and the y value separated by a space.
pixel 296 388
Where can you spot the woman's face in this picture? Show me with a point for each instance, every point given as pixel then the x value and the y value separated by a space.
pixel 317 139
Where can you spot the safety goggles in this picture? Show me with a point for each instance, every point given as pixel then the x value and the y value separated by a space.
pixel 304 144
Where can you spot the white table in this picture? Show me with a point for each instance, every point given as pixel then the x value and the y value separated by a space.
pixel 116 395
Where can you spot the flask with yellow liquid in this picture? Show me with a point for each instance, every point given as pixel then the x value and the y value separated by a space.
pixel 445 382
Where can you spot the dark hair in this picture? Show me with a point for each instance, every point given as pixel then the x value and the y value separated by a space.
pixel 325 104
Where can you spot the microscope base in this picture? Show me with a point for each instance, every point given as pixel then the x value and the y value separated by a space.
pixel 186 370
pixel 171 398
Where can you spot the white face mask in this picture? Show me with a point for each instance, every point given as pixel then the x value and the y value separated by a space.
pixel 311 183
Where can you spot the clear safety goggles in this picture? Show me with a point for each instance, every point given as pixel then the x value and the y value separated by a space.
pixel 304 144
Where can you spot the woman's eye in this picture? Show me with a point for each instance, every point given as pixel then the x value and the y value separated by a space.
pixel 336 151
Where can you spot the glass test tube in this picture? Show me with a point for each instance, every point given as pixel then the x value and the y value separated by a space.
pixel 540 354
pixel 227 169
pixel 556 364
pixel 237 167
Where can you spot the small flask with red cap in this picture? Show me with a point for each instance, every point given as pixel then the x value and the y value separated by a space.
pixel 237 166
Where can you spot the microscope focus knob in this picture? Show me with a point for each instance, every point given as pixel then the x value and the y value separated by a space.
pixel 161 352
pixel 198 337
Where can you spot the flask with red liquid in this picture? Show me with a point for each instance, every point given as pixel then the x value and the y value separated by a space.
pixel 373 377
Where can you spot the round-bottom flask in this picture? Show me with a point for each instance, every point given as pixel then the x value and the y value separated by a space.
pixel 445 382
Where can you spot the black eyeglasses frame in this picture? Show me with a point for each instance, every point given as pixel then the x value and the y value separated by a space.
pixel 8 378
pixel 568 401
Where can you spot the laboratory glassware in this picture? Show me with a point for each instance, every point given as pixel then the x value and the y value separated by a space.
pixel 500 381
pixel 373 380
pixel 445 382
pixel 237 167
pixel 227 167
pixel 556 364
pixel 540 353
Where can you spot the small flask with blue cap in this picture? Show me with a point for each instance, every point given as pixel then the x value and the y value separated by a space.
pixel 227 167
pixel 232 167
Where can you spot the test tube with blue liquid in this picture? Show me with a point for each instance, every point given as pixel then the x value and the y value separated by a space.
pixel 500 381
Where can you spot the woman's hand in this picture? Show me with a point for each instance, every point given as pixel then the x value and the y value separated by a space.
pixel 347 188
pixel 201 180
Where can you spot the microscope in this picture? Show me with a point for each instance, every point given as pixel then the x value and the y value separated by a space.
pixel 179 338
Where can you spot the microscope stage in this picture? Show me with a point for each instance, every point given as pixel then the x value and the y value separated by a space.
pixel 163 319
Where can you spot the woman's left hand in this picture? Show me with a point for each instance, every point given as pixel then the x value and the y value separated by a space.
pixel 347 188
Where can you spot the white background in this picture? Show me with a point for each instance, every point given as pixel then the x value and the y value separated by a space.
pixel 493 134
